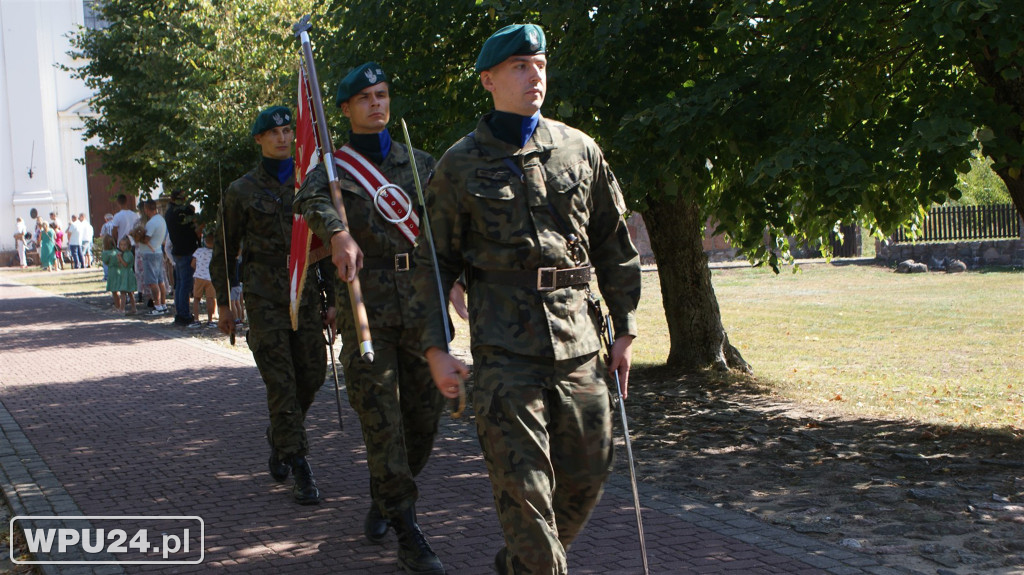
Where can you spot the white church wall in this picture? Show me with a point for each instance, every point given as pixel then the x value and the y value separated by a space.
pixel 40 114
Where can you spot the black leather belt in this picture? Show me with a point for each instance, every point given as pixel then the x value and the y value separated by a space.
pixel 398 263
pixel 541 279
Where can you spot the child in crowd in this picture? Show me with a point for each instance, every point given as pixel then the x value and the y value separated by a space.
pixel 137 235
pixel 58 240
pixel 125 265
pixel 202 284
pixel 109 258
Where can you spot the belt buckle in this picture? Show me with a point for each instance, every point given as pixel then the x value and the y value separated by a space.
pixel 401 262
pixel 541 286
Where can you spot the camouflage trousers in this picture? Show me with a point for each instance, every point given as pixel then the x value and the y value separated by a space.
pixel 293 365
pixel 399 408
pixel 545 428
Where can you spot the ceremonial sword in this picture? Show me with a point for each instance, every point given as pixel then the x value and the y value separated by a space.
pixel 458 408
pixel 324 305
pixel 224 240
pixel 607 333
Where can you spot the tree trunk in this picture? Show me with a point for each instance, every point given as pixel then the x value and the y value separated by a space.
pixel 1006 92
pixel 1016 188
pixel 697 338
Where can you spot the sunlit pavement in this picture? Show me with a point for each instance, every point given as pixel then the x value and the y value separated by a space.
pixel 103 416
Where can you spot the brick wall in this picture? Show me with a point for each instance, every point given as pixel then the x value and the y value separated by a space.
pixel 715 247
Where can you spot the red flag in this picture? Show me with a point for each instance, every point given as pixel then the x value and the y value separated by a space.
pixel 307 148
pixel 307 248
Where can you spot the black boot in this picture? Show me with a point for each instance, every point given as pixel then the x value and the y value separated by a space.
pixel 500 564
pixel 414 553
pixel 304 491
pixel 278 469
pixel 376 526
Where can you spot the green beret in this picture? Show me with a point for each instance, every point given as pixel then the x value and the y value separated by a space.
pixel 359 78
pixel 271 118
pixel 518 39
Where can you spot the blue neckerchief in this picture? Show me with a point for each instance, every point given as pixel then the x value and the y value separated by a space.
pixel 376 147
pixel 513 128
pixel 385 143
pixel 280 169
pixel 528 126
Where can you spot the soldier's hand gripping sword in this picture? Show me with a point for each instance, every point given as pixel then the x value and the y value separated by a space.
pixel 456 408
pixel 606 333
pixel 355 292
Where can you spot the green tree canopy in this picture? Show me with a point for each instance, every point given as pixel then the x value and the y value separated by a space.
pixel 772 118
pixel 177 85
pixel 776 119
pixel 981 186
pixel 424 47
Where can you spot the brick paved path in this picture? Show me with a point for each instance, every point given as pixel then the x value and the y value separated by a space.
pixel 102 415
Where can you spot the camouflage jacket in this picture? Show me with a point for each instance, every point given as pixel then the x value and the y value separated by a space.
pixel 495 207
pixel 256 215
pixel 385 291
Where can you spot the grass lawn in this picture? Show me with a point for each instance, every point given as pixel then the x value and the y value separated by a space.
pixel 936 348
pixel 69 282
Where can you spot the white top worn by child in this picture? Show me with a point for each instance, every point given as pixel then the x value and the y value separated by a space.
pixel 202 284
pixel 201 259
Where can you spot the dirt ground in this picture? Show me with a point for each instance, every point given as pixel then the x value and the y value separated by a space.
pixel 920 498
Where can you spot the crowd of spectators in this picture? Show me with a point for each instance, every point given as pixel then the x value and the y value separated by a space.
pixel 142 253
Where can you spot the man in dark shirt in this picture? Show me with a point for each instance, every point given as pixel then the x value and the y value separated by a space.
pixel 181 228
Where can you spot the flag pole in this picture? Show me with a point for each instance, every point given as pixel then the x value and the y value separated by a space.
pixel 355 292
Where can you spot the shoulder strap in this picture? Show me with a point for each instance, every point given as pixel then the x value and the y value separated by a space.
pixel 390 200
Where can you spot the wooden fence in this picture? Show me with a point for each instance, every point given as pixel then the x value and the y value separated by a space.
pixel 967 223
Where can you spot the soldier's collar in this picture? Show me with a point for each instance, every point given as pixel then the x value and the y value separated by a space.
pixel 376 147
pixel 399 154
pixel 491 145
pixel 511 128
pixel 280 170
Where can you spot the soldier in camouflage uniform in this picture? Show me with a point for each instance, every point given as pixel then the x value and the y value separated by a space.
pixel 256 214
pixel 397 403
pixel 526 207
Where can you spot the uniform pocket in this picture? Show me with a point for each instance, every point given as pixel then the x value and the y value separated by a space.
pixel 363 221
pixel 491 189
pixel 496 213
pixel 569 193
pixel 353 188
pixel 264 204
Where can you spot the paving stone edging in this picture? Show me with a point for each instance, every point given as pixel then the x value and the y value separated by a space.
pixel 31 488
